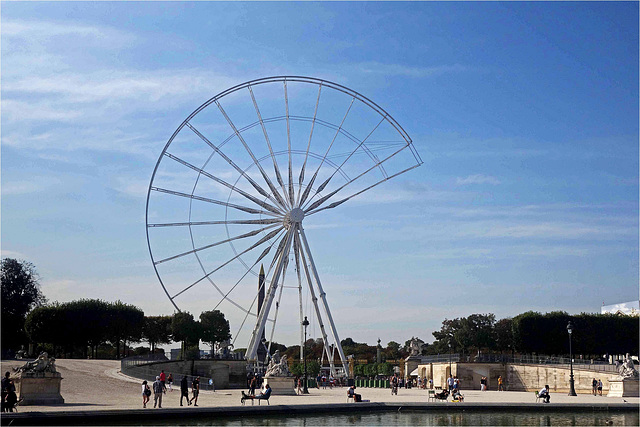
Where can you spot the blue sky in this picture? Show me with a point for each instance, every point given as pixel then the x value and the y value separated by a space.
pixel 525 115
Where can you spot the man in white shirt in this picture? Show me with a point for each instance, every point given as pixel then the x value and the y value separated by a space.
pixel 544 394
pixel 450 383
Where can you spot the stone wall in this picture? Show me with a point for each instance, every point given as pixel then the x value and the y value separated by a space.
pixel 225 373
pixel 517 377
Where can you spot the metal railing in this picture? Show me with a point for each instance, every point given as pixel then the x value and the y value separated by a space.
pixel 133 366
pixel 141 360
pixel 525 359
pixel 441 358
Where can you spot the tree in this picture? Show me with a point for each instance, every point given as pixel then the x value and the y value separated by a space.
pixel 184 328
pixel 385 369
pixel 20 286
pixel 215 328
pixel 124 323
pixel 392 351
pixel 47 325
pixel 157 330
pixel 503 330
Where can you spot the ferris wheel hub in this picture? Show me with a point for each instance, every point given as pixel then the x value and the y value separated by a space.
pixel 294 216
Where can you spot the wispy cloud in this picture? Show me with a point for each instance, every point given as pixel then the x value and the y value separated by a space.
pixel 13 254
pixel 34 185
pixel 477 179
pixel 403 70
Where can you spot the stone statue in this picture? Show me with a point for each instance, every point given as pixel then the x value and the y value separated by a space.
pixel 415 347
pixel 42 364
pixel 279 368
pixel 627 369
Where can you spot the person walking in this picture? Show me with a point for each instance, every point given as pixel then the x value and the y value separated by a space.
pixel 252 386
pixel 158 390
pixel 599 387
pixel 500 383
pixel 184 390
pixel 594 386
pixel 298 382
pixel 195 389
pixel 170 381
pixel 146 393
pixel 5 386
pixel 163 380
pixel 483 382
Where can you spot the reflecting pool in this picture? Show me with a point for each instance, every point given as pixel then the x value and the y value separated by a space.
pixel 425 418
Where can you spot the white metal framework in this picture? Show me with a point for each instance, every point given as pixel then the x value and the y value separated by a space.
pixel 237 179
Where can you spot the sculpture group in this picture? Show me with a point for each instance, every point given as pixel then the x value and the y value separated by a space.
pixel 42 364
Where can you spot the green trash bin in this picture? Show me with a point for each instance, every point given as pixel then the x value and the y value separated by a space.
pixel 386 384
pixel 371 383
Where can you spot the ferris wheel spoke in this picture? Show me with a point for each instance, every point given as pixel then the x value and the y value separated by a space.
pixel 325 198
pixel 241 236
pixel 255 245
pixel 361 144
pixel 225 296
pixel 286 102
pixel 255 185
pixel 215 202
pixel 246 147
pixel 333 205
pixel 255 200
pixel 306 156
pixel 237 221
pixel 273 157
pixel 327 153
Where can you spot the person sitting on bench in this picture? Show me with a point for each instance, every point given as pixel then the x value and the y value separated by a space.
pixel 352 393
pixel 544 394
pixel 265 395
pixel 442 395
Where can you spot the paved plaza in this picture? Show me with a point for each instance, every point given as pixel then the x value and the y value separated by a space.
pixel 90 385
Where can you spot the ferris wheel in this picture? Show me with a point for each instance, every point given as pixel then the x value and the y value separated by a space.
pixel 235 183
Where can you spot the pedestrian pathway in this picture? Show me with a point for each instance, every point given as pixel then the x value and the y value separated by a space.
pixel 97 385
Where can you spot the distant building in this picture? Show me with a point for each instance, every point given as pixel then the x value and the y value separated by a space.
pixel 631 308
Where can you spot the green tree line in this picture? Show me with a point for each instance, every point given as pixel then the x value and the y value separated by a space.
pixel 533 332
pixel 78 327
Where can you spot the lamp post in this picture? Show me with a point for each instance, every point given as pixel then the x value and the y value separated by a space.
pixel 572 390
pixel 450 373
pixel 305 323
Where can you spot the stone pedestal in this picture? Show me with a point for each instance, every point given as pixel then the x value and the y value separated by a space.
pixel 627 387
pixel 281 386
pixel 40 388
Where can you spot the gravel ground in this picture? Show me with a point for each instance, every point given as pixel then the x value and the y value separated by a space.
pixel 98 385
